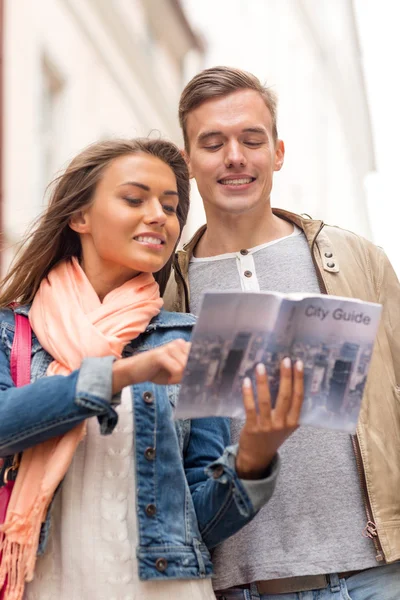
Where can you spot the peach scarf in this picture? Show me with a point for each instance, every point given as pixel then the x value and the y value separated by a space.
pixel 70 323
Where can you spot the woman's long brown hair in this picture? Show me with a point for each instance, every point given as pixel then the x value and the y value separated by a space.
pixel 52 240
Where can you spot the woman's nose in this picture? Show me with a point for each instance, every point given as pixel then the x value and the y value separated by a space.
pixel 155 213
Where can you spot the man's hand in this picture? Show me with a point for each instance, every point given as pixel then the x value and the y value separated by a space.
pixel 265 430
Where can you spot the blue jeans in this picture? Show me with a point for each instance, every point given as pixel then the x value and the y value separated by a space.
pixel 380 583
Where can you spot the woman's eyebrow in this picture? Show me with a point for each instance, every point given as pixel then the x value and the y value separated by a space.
pixel 146 188
pixel 139 185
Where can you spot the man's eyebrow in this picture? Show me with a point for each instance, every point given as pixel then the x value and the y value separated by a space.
pixel 146 188
pixel 207 134
pixel 255 130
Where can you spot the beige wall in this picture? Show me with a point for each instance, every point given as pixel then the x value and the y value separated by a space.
pixel 307 51
pixel 77 71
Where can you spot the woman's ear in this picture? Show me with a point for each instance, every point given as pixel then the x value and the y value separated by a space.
pixel 79 222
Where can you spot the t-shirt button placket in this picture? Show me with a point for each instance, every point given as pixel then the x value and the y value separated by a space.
pixel 247 271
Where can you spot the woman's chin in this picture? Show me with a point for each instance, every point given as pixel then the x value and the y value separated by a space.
pixel 150 267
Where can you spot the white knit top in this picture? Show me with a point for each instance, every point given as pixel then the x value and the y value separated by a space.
pixel 91 553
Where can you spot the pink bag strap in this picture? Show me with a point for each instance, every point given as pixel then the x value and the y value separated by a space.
pixel 20 360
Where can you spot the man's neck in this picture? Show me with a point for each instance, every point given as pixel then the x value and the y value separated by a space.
pixel 231 233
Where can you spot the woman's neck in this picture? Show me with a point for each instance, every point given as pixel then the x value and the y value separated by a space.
pixel 106 278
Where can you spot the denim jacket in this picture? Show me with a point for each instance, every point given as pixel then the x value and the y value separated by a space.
pixel 185 468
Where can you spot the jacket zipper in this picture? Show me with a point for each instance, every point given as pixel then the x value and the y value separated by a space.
pixel 370 530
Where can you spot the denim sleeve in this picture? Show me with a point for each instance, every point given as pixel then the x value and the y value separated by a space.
pixel 51 406
pixel 223 502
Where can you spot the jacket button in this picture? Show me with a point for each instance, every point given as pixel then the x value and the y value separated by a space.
pixel 151 510
pixel 248 273
pixel 330 265
pixel 328 254
pixel 218 471
pixel 244 252
pixel 150 453
pixel 148 397
pixel 161 564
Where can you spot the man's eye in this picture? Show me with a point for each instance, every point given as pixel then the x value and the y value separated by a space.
pixel 253 144
pixel 213 147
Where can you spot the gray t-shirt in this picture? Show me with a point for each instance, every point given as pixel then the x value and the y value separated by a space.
pixel 314 522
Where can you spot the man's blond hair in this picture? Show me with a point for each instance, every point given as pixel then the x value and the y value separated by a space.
pixel 221 81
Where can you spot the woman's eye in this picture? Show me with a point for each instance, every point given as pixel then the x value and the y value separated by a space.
pixel 170 209
pixel 133 201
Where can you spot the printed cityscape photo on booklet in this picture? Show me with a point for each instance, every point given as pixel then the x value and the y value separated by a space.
pixel 333 336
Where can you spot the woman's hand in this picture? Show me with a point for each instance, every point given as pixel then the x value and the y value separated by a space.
pixel 265 430
pixel 163 365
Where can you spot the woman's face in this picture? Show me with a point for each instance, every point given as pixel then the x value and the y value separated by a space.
pixel 131 226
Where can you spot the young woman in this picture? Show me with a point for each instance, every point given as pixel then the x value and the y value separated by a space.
pixel 138 509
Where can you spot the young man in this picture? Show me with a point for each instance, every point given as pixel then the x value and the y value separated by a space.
pixel 333 524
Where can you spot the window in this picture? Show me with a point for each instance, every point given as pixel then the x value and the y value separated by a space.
pixel 50 123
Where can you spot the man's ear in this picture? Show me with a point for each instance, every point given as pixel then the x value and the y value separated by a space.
pixel 79 222
pixel 279 155
pixel 187 161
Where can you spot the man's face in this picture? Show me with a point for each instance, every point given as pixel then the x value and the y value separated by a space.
pixel 232 152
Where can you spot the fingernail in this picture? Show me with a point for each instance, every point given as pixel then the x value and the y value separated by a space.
pixel 299 365
pixel 247 382
pixel 260 368
pixel 287 362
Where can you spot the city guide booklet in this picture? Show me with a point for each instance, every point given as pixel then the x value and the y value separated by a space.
pixel 333 336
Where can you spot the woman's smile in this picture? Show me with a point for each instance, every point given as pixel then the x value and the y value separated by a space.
pixel 153 241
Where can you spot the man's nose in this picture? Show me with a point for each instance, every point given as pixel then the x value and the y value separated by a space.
pixel 234 156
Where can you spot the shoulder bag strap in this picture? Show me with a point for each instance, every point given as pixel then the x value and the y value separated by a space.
pixel 20 360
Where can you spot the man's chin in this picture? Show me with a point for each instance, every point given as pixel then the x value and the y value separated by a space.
pixel 238 206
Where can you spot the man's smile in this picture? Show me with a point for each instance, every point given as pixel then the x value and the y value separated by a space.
pixel 237 181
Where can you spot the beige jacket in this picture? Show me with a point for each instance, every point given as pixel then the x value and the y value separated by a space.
pixel 348 265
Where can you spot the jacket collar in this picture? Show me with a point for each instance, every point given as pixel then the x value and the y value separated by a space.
pixel 312 229
pixel 166 319
pixel 23 309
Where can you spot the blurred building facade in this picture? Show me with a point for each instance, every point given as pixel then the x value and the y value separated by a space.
pixel 308 52
pixel 75 71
